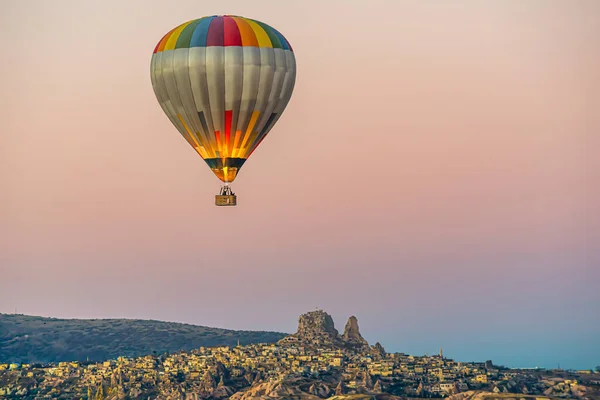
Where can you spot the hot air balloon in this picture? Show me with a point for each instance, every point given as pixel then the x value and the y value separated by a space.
pixel 223 81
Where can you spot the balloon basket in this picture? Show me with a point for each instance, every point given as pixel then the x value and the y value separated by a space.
pixel 225 200
pixel 226 197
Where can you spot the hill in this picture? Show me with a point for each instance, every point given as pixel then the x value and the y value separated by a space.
pixel 32 339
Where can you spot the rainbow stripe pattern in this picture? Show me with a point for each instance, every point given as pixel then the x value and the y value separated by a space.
pixel 223 81
pixel 222 31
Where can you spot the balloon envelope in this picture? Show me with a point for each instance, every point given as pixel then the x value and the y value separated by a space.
pixel 223 81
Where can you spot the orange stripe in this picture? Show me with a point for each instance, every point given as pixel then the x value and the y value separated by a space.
pixel 163 42
pixel 246 32
pixel 261 35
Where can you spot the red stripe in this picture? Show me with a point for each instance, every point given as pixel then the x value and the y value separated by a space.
pixel 231 32
pixel 228 116
pixel 157 44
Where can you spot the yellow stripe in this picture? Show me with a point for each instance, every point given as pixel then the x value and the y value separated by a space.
pixel 172 41
pixel 205 143
pixel 251 124
pixel 225 174
pixel 236 141
pixel 251 143
pixel 201 150
pixel 261 35
pixel 163 41
pixel 204 138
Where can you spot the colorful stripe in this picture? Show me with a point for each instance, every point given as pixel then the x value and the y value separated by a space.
pixel 185 37
pixel 216 33
pixel 228 116
pixel 199 35
pixel 231 33
pixel 246 32
pixel 172 40
pixel 222 30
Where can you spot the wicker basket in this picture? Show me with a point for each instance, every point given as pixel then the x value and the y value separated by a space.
pixel 225 200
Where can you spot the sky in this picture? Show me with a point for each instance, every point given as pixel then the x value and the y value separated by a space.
pixel 432 175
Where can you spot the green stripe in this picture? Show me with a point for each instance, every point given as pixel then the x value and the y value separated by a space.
pixel 183 41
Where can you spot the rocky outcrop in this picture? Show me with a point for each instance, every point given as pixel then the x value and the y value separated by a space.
pixel 367 382
pixel 378 352
pixel 317 328
pixel 377 388
pixel 316 324
pixel 222 392
pixel 339 390
pixel 379 349
pixel 319 389
pixel 208 382
pixel 352 333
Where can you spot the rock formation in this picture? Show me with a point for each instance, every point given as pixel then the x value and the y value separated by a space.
pixel 420 388
pixel 339 390
pixel 223 392
pixel 317 327
pixel 316 324
pixel 379 348
pixel 351 332
pixel 377 351
pixel 320 390
pixel 367 382
pixel 208 382
pixel 221 370
pixel 279 389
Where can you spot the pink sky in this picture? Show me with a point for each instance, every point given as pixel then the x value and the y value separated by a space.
pixel 431 174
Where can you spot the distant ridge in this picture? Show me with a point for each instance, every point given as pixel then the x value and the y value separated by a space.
pixel 33 339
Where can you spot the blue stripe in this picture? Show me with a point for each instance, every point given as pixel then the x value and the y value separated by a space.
pixel 200 33
pixel 284 42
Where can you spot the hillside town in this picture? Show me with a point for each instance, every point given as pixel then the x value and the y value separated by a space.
pixel 314 363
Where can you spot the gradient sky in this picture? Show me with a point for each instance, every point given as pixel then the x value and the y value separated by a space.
pixel 432 175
